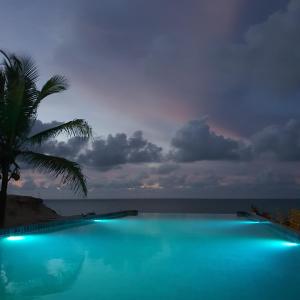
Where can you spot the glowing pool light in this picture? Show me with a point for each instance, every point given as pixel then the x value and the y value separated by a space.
pixel 251 222
pixel 102 221
pixel 15 238
pixel 256 222
pixel 290 244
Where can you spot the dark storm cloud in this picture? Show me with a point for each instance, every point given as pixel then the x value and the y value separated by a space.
pixel 181 56
pixel 120 149
pixel 282 142
pixel 102 153
pixel 196 141
pixel 136 49
pixel 269 58
pixel 69 149
pixel 165 168
pixel 259 78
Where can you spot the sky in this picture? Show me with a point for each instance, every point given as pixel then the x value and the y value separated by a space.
pixel 195 98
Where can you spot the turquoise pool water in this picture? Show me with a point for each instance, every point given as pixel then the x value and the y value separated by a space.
pixel 153 256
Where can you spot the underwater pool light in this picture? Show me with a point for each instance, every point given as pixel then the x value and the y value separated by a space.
pixel 15 238
pixel 256 222
pixel 290 244
pixel 102 220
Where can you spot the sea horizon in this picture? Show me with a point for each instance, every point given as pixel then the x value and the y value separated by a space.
pixel 171 205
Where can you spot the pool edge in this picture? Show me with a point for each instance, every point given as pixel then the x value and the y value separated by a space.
pixel 63 223
pixel 279 228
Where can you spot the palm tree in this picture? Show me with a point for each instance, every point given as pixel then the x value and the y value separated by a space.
pixel 19 101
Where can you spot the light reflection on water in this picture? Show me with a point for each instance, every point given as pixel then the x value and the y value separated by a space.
pixel 152 257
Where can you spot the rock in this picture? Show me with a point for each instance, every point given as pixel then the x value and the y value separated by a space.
pixel 24 210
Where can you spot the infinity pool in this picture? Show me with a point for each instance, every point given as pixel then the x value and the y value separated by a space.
pixel 153 256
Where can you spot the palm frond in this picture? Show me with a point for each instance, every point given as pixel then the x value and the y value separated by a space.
pixel 70 172
pixel 28 68
pixel 2 93
pixel 19 95
pixel 15 88
pixel 77 127
pixel 30 96
pixel 55 84
pixel 6 57
pixel 19 101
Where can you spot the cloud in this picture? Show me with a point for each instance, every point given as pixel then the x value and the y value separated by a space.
pixel 145 55
pixel 69 149
pixel 257 80
pixel 119 150
pixel 281 142
pixel 41 126
pixel 133 56
pixel 117 184
pixel 174 55
pixel 188 181
pixel 269 58
pixel 269 177
pixel 165 168
pixel 161 63
pixel 102 153
pixel 196 141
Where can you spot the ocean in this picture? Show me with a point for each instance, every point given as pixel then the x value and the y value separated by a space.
pixel 69 207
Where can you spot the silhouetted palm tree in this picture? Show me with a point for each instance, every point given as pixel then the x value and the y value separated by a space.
pixel 19 101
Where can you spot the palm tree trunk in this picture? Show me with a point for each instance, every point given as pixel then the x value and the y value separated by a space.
pixel 3 195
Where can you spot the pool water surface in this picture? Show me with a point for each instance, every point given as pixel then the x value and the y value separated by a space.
pixel 153 256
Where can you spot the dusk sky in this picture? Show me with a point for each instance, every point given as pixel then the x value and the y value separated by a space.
pixel 194 98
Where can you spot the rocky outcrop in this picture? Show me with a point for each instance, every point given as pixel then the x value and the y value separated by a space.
pixel 24 210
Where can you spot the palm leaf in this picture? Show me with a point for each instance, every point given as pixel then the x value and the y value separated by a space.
pixel 27 115
pixel 55 84
pixel 19 97
pixel 70 172
pixel 77 127
pixel 28 68
pixel 19 101
pixel 2 99
pixel 15 88
pixel 7 59
pixel 2 85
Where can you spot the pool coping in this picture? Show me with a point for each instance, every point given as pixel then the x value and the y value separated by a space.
pixel 63 223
